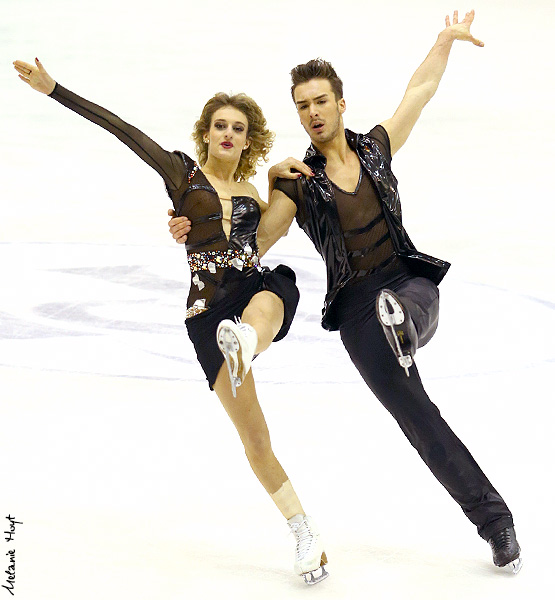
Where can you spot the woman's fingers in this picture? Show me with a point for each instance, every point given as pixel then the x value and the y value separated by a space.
pixel 20 63
pixel 35 75
pixel 291 168
pixel 24 70
pixel 23 67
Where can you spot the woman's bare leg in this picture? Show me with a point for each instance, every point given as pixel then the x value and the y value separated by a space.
pixel 265 313
pixel 246 414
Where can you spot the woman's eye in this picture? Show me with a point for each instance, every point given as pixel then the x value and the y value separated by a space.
pixel 219 126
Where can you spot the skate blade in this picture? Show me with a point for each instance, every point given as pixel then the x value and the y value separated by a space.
pixel 389 320
pixel 515 565
pixel 311 579
pixel 405 360
pixel 232 379
pixel 230 347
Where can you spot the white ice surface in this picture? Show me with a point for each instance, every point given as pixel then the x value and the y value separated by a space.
pixel 126 473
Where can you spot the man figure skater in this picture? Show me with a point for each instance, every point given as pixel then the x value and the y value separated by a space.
pixel 382 293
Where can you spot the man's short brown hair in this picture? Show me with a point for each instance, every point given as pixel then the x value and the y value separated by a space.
pixel 317 68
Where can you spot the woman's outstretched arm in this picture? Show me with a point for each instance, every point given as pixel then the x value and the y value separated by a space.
pixel 167 164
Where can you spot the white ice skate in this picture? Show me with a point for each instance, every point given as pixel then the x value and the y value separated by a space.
pixel 310 557
pixel 237 341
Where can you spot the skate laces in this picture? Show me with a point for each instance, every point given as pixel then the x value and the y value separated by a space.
pixel 245 328
pixel 502 539
pixel 304 537
pixel 248 331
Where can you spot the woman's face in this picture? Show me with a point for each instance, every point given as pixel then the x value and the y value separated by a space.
pixel 227 137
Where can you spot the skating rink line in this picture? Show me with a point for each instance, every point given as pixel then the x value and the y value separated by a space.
pixel 119 292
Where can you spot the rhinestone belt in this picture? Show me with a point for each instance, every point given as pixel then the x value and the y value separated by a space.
pixel 210 261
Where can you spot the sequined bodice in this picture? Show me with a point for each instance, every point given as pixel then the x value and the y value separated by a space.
pixel 214 259
pixel 245 218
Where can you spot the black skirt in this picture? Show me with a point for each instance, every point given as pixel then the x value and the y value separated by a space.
pixel 237 294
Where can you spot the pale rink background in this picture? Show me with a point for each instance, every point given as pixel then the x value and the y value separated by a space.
pixel 127 475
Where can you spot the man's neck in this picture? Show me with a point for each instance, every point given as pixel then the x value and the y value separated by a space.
pixel 336 150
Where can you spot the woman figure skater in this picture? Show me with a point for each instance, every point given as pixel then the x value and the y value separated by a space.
pixel 235 308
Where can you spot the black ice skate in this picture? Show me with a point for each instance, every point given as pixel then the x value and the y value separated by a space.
pixel 505 548
pixel 398 327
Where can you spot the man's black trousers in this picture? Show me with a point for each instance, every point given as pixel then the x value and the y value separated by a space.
pixel 405 397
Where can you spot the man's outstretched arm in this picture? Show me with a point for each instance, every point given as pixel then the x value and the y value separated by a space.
pixel 425 81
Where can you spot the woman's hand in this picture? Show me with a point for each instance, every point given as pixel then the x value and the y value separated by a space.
pixel 35 76
pixel 290 168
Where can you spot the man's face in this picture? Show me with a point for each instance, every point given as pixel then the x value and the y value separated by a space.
pixel 319 111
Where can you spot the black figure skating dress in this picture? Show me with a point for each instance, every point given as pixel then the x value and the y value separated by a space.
pixel 225 273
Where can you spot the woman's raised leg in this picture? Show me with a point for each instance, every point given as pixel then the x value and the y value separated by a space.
pixel 265 313
pixel 239 342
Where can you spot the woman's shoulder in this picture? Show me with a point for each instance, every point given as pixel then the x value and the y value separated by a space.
pixel 250 190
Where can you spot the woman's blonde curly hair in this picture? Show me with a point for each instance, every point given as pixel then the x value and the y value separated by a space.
pixel 260 137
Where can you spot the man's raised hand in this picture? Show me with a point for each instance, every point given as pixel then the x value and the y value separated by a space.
pixel 461 31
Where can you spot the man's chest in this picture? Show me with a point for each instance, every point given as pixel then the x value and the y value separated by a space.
pixel 345 175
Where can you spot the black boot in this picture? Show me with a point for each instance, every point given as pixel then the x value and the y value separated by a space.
pixel 398 327
pixel 505 549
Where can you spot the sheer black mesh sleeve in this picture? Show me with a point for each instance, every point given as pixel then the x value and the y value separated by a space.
pixel 292 188
pixel 380 135
pixel 167 164
pixel 289 188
